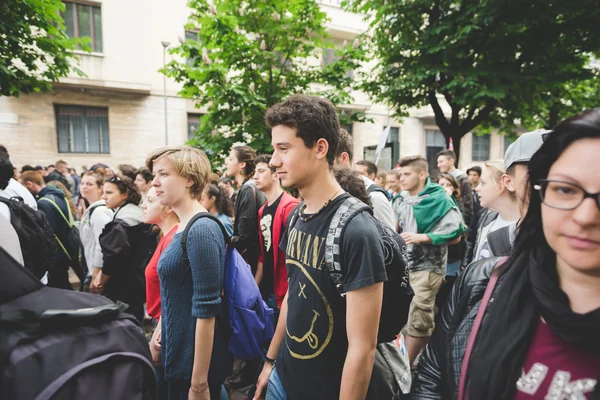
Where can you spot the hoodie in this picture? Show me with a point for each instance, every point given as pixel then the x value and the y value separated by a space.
pixel 131 214
pixel 57 218
pixel 127 245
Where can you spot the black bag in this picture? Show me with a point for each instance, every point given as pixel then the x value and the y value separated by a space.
pixel 59 344
pixel 35 236
pixel 72 248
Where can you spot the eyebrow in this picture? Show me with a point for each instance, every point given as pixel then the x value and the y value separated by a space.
pixel 282 144
pixel 563 176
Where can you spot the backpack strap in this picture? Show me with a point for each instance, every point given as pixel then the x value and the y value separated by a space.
pixel 195 218
pixel 485 301
pixel 345 212
pixel 68 221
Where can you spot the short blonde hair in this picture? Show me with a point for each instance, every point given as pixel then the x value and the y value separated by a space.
pixel 497 169
pixel 189 162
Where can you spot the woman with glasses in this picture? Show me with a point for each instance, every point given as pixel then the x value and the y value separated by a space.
pixel 127 245
pixel 194 351
pixel 537 334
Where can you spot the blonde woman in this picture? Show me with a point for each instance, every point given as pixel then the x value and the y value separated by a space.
pixel 194 352
pixel 497 228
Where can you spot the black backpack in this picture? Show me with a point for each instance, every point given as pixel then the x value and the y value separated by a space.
pixel 58 344
pixel 397 293
pixel 35 236
pixel 376 188
pixel 72 248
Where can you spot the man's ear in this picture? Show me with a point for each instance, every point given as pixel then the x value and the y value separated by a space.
pixel 321 149
pixel 508 183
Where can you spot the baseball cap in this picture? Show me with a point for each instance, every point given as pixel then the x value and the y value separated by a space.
pixel 524 147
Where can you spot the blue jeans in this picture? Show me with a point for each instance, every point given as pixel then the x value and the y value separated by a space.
pixel 275 390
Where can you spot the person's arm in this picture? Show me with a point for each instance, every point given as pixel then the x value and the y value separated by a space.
pixel 263 379
pixel 206 252
pixel 246 221
pixel 155 344
pixel 362 323
pixel 205 329
pixel 115 248
pixel 259 272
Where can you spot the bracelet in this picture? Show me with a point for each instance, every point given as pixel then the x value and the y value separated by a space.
pixel 196 391
pixel 270 361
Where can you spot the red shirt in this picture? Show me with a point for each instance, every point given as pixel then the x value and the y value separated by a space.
pixel 152 282
pixel 554 369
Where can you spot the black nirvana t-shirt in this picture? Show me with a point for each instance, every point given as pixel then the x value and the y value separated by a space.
pixel 266 227
pixel 312 355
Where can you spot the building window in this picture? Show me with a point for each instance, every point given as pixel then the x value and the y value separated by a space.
pixel 481 147
pixel 83 20
pixel 193 124
pixel 348 127
pixel 82 129
pixel 434 143
pixel 507 142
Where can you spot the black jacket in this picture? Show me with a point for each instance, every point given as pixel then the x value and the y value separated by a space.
pixel 245 228
pixel 126 251
pixel 438 372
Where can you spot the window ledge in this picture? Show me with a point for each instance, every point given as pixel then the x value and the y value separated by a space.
pixel 85 53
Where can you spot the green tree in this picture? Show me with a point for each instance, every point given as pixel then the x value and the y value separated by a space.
pixel 34 48
pixel 249 55
pixel 489 60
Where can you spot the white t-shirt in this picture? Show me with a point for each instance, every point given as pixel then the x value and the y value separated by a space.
pixel 483 248
pixel 15 189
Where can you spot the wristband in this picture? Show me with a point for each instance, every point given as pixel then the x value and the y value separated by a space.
pixel 270 361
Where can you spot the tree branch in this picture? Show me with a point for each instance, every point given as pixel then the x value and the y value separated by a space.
pixel 469 124
pixel 440 119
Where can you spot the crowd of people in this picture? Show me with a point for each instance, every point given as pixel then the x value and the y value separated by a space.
pixel 498 269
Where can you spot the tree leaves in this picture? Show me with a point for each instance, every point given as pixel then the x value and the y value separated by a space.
pixel 258 54
pixel 519 56
pixel 34 48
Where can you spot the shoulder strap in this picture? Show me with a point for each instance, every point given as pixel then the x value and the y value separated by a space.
pixel 345 212
pixel 195 218
pixel 68 221
pixel 487 298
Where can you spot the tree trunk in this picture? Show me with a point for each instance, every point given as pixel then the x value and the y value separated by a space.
pixel 456 139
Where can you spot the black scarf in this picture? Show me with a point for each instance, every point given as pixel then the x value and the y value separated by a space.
pixel 579 330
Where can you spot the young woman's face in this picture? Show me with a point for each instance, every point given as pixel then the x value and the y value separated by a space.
pixel 141 184
pixel 170 187
pixel 487 189
pixel 151 208
pixel 89 189
pixel 113 198
pixel 232 164
pixel 445 183
pixel 207 201
pixel 575 234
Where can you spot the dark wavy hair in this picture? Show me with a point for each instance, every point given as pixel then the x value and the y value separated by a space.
pixel 126 185
pixel 351 181
pixel 222 202
pixel 503 342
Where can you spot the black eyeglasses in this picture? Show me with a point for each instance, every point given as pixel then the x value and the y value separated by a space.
pixel 563 195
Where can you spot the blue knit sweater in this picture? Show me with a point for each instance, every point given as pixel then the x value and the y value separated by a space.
pixel 198 296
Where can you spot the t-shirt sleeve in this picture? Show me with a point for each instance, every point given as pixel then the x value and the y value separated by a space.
pixel 206 251
pixel 362 253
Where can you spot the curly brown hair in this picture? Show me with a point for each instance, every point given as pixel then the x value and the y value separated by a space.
pixel 351 181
